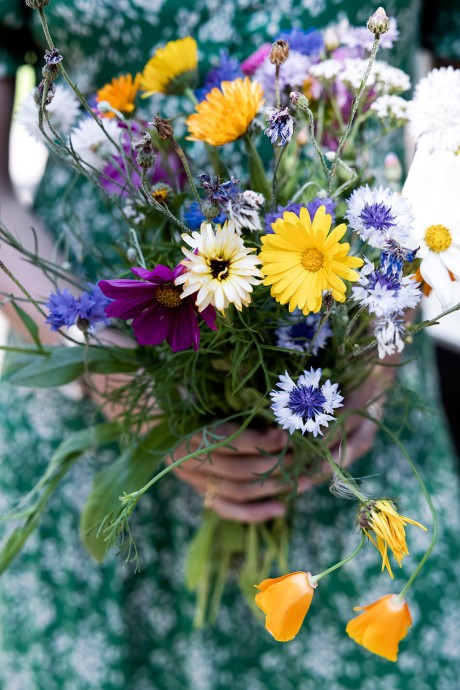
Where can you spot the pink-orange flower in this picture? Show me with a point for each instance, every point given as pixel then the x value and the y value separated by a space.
pixel 285 601
pixel 382 626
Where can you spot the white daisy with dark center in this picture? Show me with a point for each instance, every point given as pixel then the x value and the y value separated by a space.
pixel 305 405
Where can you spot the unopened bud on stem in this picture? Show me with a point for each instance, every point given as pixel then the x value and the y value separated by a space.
pixel 379 23
pixel 279 52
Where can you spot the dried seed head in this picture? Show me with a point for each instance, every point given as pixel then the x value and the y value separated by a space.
pixel 279 52
pixel 164 127
pixel 36 4
pixel 379 23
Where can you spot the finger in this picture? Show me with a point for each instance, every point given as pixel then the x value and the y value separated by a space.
pixel 358 443
pixel 270 440
pixel 238 468
pixel 248 512
pixel 238 492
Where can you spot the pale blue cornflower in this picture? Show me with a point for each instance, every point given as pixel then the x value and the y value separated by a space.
pixel 385 293
pixel 305 405
pixel 380 215
pixel 389 332
pixel 301 333
pixel 281 126
pixel 87 311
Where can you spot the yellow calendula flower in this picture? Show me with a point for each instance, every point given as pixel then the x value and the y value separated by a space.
pixel 226 113
pixel 382 518
pixel 301 259
pixel 120 93
pixel 172 69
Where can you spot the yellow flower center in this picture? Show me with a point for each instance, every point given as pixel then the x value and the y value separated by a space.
pixel 312 260
pixel 438 238
pixel 160 195
pixel 169 295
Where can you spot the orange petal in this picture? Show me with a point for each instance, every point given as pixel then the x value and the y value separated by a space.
pixel 285 601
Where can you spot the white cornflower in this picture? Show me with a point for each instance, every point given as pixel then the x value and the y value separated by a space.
pixel 390 107
pixel 388 331
pixel 243 210
pixel 220 269
pixel 384 292
pixel 434 112
pixel 379 215
pixel 305 405
pixel 432 187
pixel 63 111
pixel 91 143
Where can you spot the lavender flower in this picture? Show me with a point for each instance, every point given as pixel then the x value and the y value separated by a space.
pixel 379 215
pixel 308 42
pixel 312 207
pixel 157 309
pixel 228 69
pixel 305 405
pixel 301 333
pixel 281 126
pixel 87 311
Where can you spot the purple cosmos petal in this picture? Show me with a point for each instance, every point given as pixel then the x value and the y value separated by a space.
pixel 209 317
pixel 184 331
pixel 160 274
pixel 151 327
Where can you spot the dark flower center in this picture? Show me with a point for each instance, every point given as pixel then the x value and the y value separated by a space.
pixel 306 401
pixel 377 216
pixel 169 295
pixel 219 268
pixel 302 331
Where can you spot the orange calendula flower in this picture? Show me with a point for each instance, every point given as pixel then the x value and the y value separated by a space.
pixel 285 601
pixel 382 626
pixel 172 69
pixel 226 113
pixel 382 518
pixel 120 93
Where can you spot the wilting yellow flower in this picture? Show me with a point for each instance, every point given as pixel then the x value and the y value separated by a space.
pixel 172 69
pixel 226 113
pixel 285 601
pixel 120 93
pixel 388 526
pixel 382 626
pixel 221 270
pixel 301 259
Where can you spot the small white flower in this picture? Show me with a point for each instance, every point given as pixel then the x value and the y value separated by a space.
pixel 387 107
pixel 434 112
pixel 63 111
pixel 432 186
pixel 220 269
pixel 243 210
pixel 379 215
pixel 388 332
pixel 385 293
pixel 92 144
pixel 305 405
pixel 327 70
pixel 389 79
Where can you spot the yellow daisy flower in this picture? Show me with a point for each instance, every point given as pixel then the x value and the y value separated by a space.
pixel 382 518
pixel 219 268
pixel 172 69
pixel 120 93
pixel 301 260
pixel 226 113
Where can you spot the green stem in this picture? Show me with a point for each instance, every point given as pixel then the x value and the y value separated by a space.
pixel 159 207
pixel 354 110
pixel 277 87
pixel 277 164
pixel 432 322
pixel 183 158
pixel 336 469
pixel 299 193
pixel 317 578
pixel 259 181
pixel 22 288
pixel 315 143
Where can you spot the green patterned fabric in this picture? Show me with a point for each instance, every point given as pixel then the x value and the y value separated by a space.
pixel 67 623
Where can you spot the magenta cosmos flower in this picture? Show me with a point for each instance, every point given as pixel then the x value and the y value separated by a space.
pixel 155 305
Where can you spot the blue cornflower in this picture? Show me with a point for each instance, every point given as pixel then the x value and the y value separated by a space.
pixel 193 216
pixel 384 293
pixel 312 207
pixel 394 257
pixel 62 307
pixel 308 42
pixel 228 69
pixel 281 126
pixel 379 216
pixel 299 333
pixel 88 310
pixel 305 405
pixel 217 191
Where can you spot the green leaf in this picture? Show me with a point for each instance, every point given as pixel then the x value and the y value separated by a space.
pixel 257 176
pixel 30 325
pixel 199 551
pixel 128 473
pixel 65 364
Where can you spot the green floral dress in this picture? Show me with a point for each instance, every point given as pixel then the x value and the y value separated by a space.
pixel 68 623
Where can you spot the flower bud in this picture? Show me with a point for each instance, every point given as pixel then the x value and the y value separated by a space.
pixel 131 255
pixel 331 39
pixel 164 127
pixel 210 209
pixel 379 23
pixel 36 4
pixel 50 72
pixel 38 93
pixel 299 101
pixel 279 52
pixel 146 156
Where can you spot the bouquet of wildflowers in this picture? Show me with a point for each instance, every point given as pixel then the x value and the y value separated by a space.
pixel 260 285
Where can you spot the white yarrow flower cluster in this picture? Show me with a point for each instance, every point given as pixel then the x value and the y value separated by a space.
pixel 379 215
pixel 305 405
pixel 91 143
pixel 434 112
pixel 326 71
pixel 384 78
pixel 220 269
pixel 390 107
pixel 62 111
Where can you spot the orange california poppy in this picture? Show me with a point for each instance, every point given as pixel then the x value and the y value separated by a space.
pixel 382 626
pixel 285 601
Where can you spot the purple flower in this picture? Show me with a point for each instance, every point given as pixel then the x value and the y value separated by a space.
pixel 155 305
pixel 87 311
pixel 249 66
pixel 306 42
pixel 281 126
pixel 312 207
pixel 217 191
pixel 228 69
